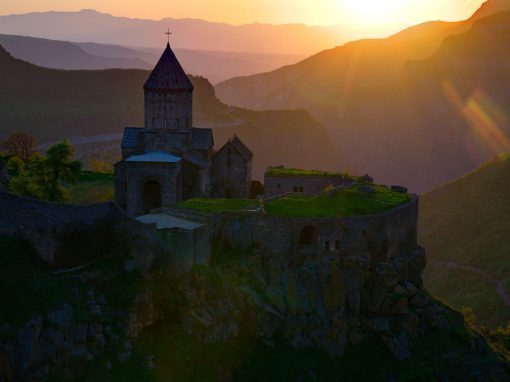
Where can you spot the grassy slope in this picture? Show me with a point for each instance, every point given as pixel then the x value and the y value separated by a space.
pixel 468 222
pixel 92 187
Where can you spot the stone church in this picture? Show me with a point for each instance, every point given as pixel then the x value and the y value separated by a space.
pixel 169 160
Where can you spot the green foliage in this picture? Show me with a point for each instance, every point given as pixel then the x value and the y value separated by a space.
pixel 282 171
pixel 219 205
pixel 60 167
pixel 43 176
pixel 345 202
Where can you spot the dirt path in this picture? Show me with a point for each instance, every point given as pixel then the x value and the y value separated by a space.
pixel 500 285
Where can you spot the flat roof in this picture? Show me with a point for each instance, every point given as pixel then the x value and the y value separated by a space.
pixel 164 221
pixel 154 156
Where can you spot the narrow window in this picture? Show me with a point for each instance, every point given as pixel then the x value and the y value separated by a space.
pixel 177 122
pixel 295 189
pixel 337 245
pixel 278 187
pixel 326 245
pixel 166 124
pixel 153 123
pixel 301 189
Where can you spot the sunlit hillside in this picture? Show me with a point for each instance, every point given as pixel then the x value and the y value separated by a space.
pixel 464 227
pixel 384 102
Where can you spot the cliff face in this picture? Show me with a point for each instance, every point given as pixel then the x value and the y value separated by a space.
pixel 326 282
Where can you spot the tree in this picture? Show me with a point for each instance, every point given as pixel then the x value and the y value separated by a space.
pixel 21 145
pixel 256 189
pixel 60 168
pixel 43 176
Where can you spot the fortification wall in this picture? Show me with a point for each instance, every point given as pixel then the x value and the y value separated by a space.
pixel 387 234
pixel 66 235
pixel 336 280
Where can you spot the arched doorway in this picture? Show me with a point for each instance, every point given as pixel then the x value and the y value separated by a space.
pixel 308 236
pixel 151 195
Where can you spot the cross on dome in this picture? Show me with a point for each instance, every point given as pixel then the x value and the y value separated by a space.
pixel 168 33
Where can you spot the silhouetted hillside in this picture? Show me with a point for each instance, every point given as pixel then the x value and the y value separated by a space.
pixel 216 66
pixel 387 113
pixel 464 226
pixel 53 104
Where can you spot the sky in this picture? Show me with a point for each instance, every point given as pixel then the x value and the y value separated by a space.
pixel 361 14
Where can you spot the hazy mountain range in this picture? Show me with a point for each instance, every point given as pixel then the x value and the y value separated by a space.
pixel 215 66
pixel 399 107
pixel 54 104
pixel 194 34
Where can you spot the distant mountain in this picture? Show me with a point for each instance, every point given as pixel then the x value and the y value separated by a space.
pixel 89 25
pixel 386 111
pixel 215 66
pixel 65 55
pixel 464 226
pixel 54 104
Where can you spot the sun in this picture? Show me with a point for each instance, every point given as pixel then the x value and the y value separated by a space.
pixel 374 11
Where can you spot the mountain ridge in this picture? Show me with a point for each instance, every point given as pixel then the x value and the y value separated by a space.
pixel 383 104
pixel 194 34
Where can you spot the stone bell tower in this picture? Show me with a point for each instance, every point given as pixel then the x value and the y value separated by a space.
pixel 168 96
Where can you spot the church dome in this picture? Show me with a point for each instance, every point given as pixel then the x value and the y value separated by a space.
pixel 168 74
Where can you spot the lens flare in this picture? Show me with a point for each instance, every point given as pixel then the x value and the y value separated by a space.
pixel 485 118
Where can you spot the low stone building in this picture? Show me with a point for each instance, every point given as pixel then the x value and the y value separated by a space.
pixel 189 240
pixel 168 160
pixel 280 180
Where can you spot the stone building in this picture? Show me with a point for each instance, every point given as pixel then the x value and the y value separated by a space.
pixel 284 181
pixel 231 170
pixel 169 160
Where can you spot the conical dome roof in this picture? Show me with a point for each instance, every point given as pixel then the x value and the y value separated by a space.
pixel 168 74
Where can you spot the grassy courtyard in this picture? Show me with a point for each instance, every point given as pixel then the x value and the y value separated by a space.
pixel 348 202
pixel 282 171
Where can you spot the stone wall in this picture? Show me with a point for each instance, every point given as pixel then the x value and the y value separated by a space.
pixel 334 281
pixel 130 180
pixel 230 174
pixel 66 235
pixel 275 185
pixel 189 247
pixel 168 110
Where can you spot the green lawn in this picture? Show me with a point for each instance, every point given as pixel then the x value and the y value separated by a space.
pixel 219 205
pixel 348 202
pixel 92 187
pixel 282 171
